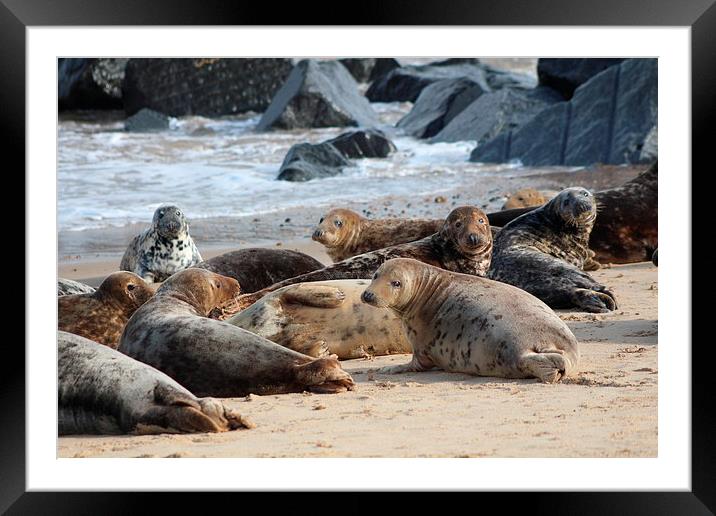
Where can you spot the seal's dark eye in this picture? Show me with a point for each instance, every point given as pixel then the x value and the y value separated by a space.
pixel 458 224
pixel 321 221
pixel 338 223
pixel 178 213
pixel 218 285
pixel 395 283
pixel 131 287
pixel 585 194
pixel 375 276
pixel 161 214
pixel 481 221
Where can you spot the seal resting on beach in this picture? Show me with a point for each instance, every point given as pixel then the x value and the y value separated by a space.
pixel 213 358
pixel 256 268
pixel 325 317
pixel 526 197
pixel 102 391
pixel 544 252
pixel 472 325
pixel 463 244
pixel 345 233
pixel 162 249
pixel 67 286
pixel 102 315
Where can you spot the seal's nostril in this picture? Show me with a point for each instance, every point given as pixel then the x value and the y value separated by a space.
pixel 473 238
pixel 367 296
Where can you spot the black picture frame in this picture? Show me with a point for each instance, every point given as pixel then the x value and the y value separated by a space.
pixel 700 15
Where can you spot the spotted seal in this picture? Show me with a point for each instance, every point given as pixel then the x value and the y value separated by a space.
pixel 473 325
pixel 162 249
pixel 102 391
pixel 256 268
pixel 68 286
pixel 345 233
pixel 463 244
pixel 102 315
pixel 324 317
pixel 544 252
pixel 213 358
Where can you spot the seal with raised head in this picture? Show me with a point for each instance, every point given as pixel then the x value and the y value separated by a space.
pixel 213 358
pixel 102 391
pixel 256 268
pixel 325 317
pixel 345 233
pixel 544 252
pixel 463 244
pixel 102 315
pixel 67 286
pixel 162 249
pixel 473 325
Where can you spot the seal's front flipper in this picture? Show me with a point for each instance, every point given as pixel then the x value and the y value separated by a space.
pixel 324 375
pixel 548 367
pixel 319 296
pixel 414 366
pixel 593 301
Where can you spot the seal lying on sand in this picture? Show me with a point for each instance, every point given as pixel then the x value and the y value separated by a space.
pixel 162 249
pixel 257 268
pixel 67 286
pixel 463 244
pixel 102 391
pixel 345 233
pixel 102 315
pixel 544 252
pixel 324 317
pixel 214 358
pixel 467 324
pixel 527 197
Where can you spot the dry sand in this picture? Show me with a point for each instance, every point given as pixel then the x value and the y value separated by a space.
pixel 608 409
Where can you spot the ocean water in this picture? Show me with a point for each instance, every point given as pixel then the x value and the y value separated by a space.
pixel 223 168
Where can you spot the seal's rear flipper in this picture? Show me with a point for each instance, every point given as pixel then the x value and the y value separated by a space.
pixel 319 296
pixel 548 367
pixel 594 301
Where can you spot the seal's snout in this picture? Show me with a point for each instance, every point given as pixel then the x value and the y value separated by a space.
pixel 368 297
pixel 318 234
pixel 473 239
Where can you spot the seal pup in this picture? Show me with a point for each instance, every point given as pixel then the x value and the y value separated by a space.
pixel 162 249
pixel 102 315
pixel 102 391
pixel 345 233
pixel 526 197
pixel 324 317
pixel 473 325
pixel 213 358
pixel 544 252
pixel 463 244
pixel 68 286
pixel 256 268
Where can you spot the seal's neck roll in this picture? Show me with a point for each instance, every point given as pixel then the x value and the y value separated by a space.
pixel 426 290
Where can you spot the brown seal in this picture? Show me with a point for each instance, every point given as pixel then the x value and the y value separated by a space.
pixel 545 251
pixel 627 229
pixel 524 198
pixel 467 324
pixel 345 233
pixel 463 244
pixel 102 391
pixel 325 317
pixel 102 315
pixel 212 358
pixel 256 268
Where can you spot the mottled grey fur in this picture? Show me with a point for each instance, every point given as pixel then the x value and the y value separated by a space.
pixel 545 251
pixel 67 287
pixel 162 249
pixel 102 391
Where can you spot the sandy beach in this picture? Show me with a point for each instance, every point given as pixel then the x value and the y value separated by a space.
pixel 608 409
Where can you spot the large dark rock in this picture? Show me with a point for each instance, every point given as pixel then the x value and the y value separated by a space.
pixel 146 120
pixel 207 87
pixel 437 105
pixel 607 121
pixel 90 83
pixel 494 113
pixel 367 69
pixel 405 83
pixel 318 94
pixel 306 161
pixel 363 144
pixel 566 75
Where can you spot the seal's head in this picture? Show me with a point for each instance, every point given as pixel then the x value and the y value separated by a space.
pixel 574 206
pixel 203 289
pixel 468 229
pixel 170 222
pixel 524 198
pixel 393 284
pixel 127 289
pixel 336 227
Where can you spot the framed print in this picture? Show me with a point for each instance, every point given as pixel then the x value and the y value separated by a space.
pixel 419 249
